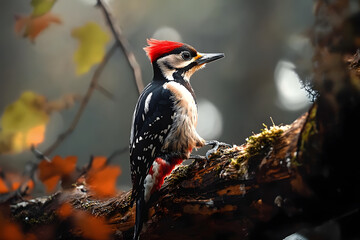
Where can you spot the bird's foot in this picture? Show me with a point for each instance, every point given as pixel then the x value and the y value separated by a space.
pixel 215 146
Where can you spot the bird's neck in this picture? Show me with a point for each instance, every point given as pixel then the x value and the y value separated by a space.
pixel 176 77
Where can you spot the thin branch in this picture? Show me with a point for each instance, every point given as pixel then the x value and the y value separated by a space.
pixel 92 86
pixel 116 153
pixel 39 155
pixel 124 44
pixel 105 92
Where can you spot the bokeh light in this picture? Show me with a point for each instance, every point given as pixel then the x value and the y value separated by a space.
pixel 210 122
pixel 167 33
pixel 291 95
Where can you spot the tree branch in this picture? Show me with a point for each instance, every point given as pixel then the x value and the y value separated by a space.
pixel 92 86
pixel 124 44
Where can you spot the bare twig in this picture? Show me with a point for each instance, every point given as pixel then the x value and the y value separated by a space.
pixel 116 153
pixel 105 92
pixel 39 155
pixel 124 44
pixel 93 85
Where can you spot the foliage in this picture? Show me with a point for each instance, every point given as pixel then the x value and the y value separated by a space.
pixel 23 127
pixel 23 123
pixel 50 173
pixel 92 40
pixel 32 25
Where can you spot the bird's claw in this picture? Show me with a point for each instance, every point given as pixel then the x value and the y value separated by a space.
pixel 215 146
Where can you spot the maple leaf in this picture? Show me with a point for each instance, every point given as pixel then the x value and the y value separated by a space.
pixel 64 211
pixel 50 173
pixel 102 178
pixel 32 26
pixel 91 227
pixel 11 182
pixel 3 186
pixel 92 41
pixel 9 230
pixel 40 19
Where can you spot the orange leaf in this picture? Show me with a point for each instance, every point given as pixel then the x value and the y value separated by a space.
pixel 102 178
pixel 94 228
pixel 30 184
pixel 65 210
pixel 15 185
pixel 3 187
pixel 50 183
pixel 98 162
pixel 10 231
pixel 103 182
pixel 13 181
pixel 31 26
pixel 51 172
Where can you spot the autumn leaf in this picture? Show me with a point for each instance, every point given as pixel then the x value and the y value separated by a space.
pixel 64 211
pixel 9 230
pixel 23 122
pixel 13 185
pixel 102 178
pixel 91 227
pixel 92 41
pixel 50 173
pixel 84 224
pixel 40 7
pixel 98 162
pixel 30 26
pixel 3 186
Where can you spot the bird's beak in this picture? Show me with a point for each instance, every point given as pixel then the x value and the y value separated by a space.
pixel 208 57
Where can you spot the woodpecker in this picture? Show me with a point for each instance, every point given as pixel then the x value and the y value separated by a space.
pixel 163 127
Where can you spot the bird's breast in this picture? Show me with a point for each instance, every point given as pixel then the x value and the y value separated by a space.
pixel 183 135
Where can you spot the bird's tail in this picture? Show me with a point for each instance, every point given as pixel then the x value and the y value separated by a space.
pixel 141 215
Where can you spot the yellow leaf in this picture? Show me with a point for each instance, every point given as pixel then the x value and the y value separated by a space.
pixel 23 123
pixel 40 7
pixel 92 40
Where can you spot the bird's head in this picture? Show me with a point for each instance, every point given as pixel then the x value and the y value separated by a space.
pixel 174 60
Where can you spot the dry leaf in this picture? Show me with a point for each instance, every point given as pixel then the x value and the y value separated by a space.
pixel 50 173
pixel 3 187
pixel 91 227
pixel 10 231
pixel 102 178
pixel 32 26
pixel 64 211
pixel 23 123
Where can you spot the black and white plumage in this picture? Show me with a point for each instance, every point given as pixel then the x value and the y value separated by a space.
pixel 163 130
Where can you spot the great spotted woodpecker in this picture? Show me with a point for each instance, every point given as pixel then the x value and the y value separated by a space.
pixel 163 127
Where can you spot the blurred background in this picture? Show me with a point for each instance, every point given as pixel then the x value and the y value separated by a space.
pixel 264 43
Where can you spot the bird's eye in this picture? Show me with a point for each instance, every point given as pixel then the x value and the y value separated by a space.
pixel 186 55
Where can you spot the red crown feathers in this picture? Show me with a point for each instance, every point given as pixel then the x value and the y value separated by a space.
pixel 156 48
